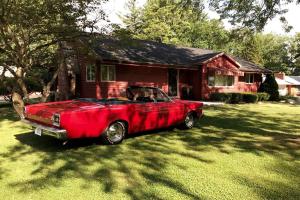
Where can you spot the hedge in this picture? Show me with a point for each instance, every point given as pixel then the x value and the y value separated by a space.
pixel 223 97
pixel 250 98
pixel 263 96
pixel 235 98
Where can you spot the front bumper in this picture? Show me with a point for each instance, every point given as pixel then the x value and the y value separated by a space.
pixel 47 130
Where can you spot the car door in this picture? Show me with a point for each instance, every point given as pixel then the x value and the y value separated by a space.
pixel 170 113
pixel 144 117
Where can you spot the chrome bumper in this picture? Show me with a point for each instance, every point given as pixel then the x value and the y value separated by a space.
pixel 50 131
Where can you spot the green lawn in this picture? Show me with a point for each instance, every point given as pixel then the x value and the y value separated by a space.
pixel 235 152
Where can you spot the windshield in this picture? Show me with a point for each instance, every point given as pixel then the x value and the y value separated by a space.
pixel 133 95
pixel 147 94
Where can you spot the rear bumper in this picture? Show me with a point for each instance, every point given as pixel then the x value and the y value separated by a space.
pixel 47 130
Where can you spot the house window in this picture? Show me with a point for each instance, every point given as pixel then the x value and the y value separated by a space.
pixel 249 78
pixel 90 73
pixel 108 73
pixel 220 80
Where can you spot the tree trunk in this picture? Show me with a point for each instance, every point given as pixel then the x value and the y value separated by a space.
pixel 47 88
pixel 18 103
pixel 19 93
pixel 63 79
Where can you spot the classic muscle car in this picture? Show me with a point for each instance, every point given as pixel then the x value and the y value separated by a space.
pixel 143 109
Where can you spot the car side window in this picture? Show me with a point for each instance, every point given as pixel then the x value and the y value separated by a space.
pixel 161 97
pixel 147 95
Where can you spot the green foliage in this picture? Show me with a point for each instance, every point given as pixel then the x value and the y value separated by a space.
pixel 250 97
pixel 251 14
pixel 236 98
pixel 222 97
pixel 263 96
pixel 185 23
pixel 270 86
pixel 32 30
pixel 174 22
pixel 6 86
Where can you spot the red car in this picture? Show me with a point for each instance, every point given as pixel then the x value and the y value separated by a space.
pixel 143 109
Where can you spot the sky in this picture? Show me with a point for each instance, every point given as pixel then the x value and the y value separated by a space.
pixel 116 7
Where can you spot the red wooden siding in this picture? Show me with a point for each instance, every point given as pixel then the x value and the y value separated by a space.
pixel 195 80
pixel 216 64
pixel 125 76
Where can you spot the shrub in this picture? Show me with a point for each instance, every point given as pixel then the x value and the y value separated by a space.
pixel 250 98
pixel 33 85
pixel 223 97
pixel 6 86
pixel 236 98
pixel 270 86
pixel 263 96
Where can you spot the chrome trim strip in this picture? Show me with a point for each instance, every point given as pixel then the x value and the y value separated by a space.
pixel 50 131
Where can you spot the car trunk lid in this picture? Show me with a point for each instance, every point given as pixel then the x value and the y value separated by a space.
pixel 44 112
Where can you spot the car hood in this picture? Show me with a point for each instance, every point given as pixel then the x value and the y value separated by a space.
pixel 43 112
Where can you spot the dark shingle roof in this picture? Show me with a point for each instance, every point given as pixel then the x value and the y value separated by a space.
pixel 142 51
pixel 248 66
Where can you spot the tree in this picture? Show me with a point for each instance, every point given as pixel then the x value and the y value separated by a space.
pixel 174 22
pixel 295 54
pixel 244 44
pixel 252 14
pixel 270 86
pixel 275 52
pixel 30 34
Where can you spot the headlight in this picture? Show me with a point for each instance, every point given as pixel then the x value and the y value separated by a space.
pixel 56 120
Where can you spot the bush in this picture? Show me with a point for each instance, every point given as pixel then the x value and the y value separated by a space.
pixel 6 86
pixel 270 86
pixel 235 98
pixel 223 97
pixel 33 85
pixel 263 96
pixel 250 98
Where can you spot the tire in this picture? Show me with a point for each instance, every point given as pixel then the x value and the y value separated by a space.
pixel 189 121
pixel 115 133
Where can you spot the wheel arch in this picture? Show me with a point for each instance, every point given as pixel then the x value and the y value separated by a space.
pixel 126 124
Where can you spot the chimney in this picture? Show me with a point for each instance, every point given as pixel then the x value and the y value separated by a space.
pixel 280 75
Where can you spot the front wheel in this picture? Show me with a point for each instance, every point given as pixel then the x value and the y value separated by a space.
pixel 115 133
pixel 189 121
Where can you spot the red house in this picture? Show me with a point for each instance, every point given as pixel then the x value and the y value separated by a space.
pixel 111 65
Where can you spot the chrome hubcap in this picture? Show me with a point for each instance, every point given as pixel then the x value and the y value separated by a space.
pixel 116 132
pixel 189 121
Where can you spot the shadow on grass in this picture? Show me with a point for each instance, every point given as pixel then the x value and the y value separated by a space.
pixel 268 188
pixel 142 159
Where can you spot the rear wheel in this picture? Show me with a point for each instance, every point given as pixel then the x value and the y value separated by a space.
pixel 189 121
pixel 115 133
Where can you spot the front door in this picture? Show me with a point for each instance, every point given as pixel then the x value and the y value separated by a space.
pixel 173 82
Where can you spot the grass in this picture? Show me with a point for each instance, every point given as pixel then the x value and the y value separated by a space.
pixel 235 152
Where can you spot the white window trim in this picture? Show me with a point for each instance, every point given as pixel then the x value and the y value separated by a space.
pixel 222 86
pixel 251 74
pixel 114 66
pixel 86 73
